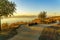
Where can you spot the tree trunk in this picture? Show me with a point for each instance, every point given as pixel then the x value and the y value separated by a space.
pixel 0 23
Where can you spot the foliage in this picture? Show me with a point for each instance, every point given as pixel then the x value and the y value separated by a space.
pixel 42 15
pixel 6 8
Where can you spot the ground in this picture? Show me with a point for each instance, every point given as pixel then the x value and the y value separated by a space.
pixel 32 33
pixel 25 32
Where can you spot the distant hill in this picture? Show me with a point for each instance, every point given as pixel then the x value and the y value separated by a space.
pixel 21 16
pixel 24 16
pixel 56 16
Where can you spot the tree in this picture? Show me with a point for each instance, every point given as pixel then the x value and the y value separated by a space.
pixel 6 8
pixel 42 15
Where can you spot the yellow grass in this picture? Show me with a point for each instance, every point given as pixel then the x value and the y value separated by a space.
pixel 14 25
pixel 36 28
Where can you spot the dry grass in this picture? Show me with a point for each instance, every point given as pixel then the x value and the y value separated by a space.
pixel 36 28
pixel 6 26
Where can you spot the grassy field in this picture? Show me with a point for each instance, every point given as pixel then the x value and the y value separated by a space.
pixel 32 32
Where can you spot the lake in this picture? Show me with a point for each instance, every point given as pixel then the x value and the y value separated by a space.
pixel 12 20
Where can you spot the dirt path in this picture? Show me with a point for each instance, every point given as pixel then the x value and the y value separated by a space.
pixel 31 33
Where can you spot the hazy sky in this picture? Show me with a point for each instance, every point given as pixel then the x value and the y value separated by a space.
pixel 33 7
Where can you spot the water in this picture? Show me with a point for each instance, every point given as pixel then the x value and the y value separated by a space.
pixel 12 20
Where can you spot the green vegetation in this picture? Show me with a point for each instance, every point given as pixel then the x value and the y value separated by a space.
pixel 42 16
pixel 6 8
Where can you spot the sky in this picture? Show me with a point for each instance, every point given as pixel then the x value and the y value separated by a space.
pixel 34 7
